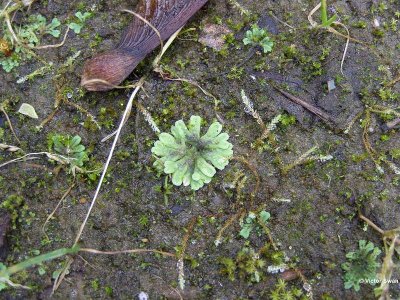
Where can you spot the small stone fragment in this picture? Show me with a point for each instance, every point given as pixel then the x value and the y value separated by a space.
pixel 331 85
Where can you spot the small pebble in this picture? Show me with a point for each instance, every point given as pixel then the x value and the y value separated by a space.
pixel 331 85
pixel 143 296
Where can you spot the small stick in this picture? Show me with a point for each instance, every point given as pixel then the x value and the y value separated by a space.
pixel 311 108
pixel 10 124
pixel 56 208
pixel 370 223
pixel 387 233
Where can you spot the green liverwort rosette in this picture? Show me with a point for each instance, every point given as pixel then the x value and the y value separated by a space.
pixel 190 157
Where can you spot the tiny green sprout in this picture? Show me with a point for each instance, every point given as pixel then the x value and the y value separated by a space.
pixel 71 148
pixel 258 37
pixel 190 157
pixel 361 265
pixel 80 21
pixel 324 15
pixel 250 222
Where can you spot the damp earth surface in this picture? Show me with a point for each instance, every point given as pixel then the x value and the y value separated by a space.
pixel 314 177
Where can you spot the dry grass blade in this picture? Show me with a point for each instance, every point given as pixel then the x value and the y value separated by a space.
pixel 94 251
pixel 156 61
pixel 30 156
pixel 59 279
pixel 165 47
pixel 330 29
pixel 110 155
pixel 23 158
pixel 110 84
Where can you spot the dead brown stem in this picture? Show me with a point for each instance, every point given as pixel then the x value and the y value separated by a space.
pixel 311 108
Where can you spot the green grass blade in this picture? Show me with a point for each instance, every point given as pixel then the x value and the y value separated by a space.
pixel 38 260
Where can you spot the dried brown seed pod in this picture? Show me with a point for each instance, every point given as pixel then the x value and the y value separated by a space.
pixel 110 68
pixel 5 47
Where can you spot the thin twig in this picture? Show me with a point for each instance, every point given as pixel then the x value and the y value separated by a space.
pixel 282 22
pixel 370 223
pixel 10 124
pixel 156 61
pixel 57 206
pixel 311 108
pixel 124 116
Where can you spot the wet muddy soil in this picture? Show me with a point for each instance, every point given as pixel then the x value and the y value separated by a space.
pixel 314 197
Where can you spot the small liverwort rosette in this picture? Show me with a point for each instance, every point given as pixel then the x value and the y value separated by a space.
pixel 190 157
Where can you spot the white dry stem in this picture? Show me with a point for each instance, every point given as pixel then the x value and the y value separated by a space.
pixel 103 174
pixel 53 45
